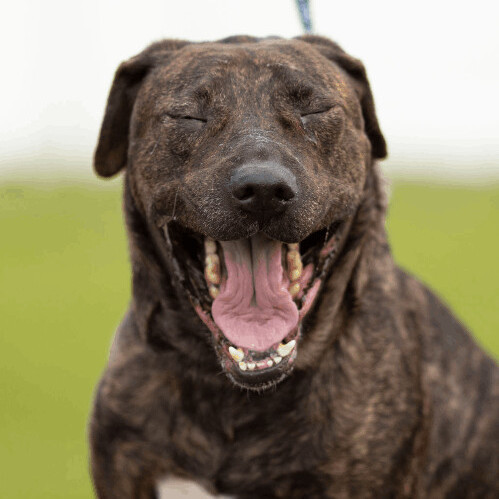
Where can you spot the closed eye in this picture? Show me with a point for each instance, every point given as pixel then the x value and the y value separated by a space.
pixel 187 117
pixel 185 121
pixel 307 116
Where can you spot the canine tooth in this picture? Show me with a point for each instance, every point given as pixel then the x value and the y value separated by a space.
pixel 212 269
pixel 277 359
pixel 294 259
pixel 284 350
pixel 236 353
pixel 294 289
pixel 295 265
pixel 270 363
pixel 210 246
pixel 214 291
pixel 211 259
pixel 294 246
pixel 242 366
pixel 251 365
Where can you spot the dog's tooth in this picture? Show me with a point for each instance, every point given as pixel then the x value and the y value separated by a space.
pixel 295 266
pixel 251 366
pixel 294 246
pixel 236 353
pixel 294 289
pixel 286 349
pixel 214 291
pixel 212 276
pixel 212 260
pixel 270 363
pixel 210 246
pixel 277 359
pixel 243 366
pixel 212 269
pixel 294 259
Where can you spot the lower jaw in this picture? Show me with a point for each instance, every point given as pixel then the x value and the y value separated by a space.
pixel 263 375
pixel 258 370
pixel 259 382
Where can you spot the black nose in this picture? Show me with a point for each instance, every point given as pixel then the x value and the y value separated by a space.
pixel 263 188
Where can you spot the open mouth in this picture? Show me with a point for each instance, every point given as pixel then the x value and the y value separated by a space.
pixel 253 295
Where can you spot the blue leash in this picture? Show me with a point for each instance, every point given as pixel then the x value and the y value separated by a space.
pixel 304 9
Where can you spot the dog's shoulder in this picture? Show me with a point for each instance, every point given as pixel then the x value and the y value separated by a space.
pixel 451 360
pixel 460 383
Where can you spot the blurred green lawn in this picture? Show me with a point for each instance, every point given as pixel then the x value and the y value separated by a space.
pixel 64 284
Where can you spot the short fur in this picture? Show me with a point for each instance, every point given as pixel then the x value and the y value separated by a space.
pixel 390 397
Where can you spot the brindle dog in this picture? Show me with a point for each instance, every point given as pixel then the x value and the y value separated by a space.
pixel 272 348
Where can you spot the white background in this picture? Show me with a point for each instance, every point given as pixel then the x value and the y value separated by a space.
pixel 433 66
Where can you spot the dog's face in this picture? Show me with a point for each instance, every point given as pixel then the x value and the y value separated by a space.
pixel 248 156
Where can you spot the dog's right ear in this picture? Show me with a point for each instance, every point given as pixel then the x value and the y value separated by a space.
pixel 112 147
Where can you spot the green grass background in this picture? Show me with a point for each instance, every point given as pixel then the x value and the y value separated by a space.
pixel 64 284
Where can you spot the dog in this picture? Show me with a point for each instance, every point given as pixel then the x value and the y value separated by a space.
pixel 272 348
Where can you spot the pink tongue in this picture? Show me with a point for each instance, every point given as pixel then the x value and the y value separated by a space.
pixel 254 308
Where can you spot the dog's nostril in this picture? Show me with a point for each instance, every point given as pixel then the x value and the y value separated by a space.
pixel 284 193
pixel 244 192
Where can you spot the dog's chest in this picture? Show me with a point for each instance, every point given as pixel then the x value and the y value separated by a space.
pixel 272 450
pixel 278 472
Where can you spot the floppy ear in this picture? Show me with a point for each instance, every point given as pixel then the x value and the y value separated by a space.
pixel 112 147
pixel 356 70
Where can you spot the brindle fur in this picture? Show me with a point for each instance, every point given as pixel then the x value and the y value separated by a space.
pixel 390 397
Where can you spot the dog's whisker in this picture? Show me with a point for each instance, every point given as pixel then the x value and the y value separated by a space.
pixel 154 147
pixel 175 204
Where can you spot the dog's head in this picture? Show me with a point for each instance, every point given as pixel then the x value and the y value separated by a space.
pixel 249 157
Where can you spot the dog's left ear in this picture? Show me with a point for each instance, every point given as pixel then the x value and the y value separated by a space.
pixel 112 147
pixel 357 71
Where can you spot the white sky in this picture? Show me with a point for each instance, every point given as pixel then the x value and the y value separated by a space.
pixel 433 67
